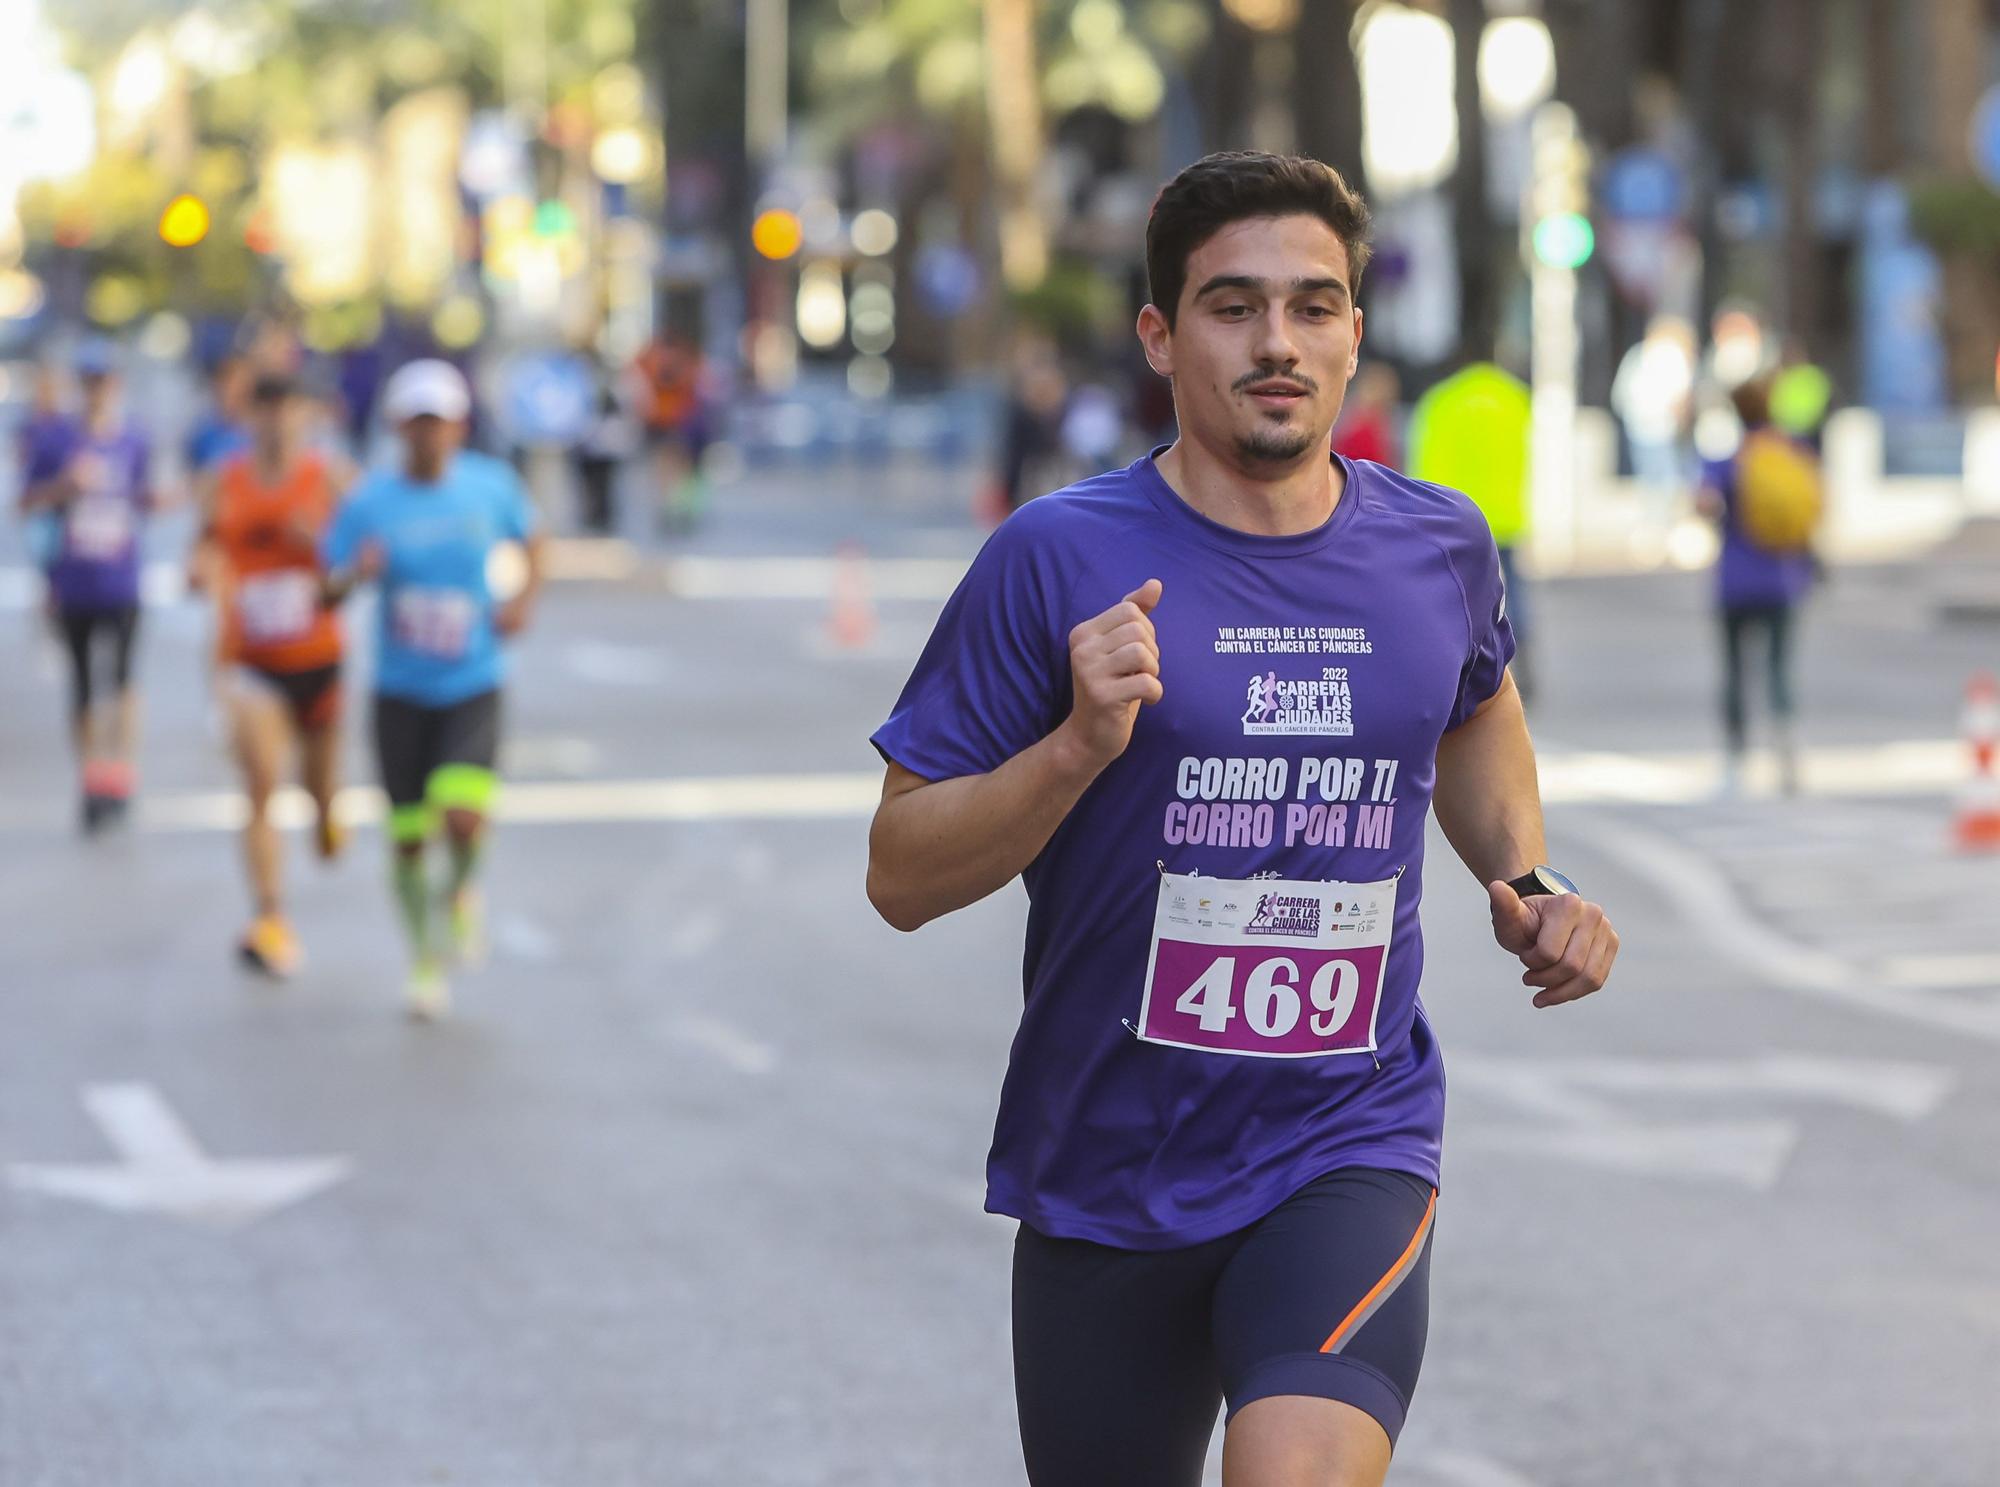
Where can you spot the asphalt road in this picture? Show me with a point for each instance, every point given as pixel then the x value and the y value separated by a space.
pixel 689 1192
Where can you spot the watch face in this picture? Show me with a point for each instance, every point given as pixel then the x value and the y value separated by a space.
pixel 1555 882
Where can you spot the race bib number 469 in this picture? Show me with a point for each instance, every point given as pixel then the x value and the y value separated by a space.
pixel 1266 968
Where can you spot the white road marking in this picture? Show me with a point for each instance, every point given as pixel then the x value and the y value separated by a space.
pixel 811 578
pixel 543 802
pixel 1465 1469
pixel 730 1044
pixel 523 939
pixel 1901 1091
pixel 1714 909
pixel 694 935
pixel 162 1169
pixel 1750 1153
pixel 549 754
pixel 1582 1125
pixel 615 665
pixel 1567 779
pixel 1978 971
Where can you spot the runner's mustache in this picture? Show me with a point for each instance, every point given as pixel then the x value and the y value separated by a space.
pixel 1251 379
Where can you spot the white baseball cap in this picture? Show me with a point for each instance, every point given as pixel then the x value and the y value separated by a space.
pixel 432 387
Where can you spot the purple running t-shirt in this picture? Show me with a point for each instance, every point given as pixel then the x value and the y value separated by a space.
pixel 96 558
pixel 1307 681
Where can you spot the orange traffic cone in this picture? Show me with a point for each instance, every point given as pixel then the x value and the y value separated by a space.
pixel 1976 827
pixel 850 623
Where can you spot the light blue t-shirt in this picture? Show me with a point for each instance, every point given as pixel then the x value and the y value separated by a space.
pixel 436 641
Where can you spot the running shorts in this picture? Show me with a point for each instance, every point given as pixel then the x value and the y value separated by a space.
pixel 419 747
pixel 1122 1357
pixel 86 632
pixel 311 695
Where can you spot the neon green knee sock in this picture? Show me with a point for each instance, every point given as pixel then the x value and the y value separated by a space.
pixel 413 898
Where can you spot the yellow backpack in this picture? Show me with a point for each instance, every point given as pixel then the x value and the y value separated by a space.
pixel 1779 492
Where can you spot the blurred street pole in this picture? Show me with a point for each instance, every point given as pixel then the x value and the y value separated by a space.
pixel 766 121
pixel 766 83
pixel 1554 341
pixel 1472 219
pixel 1014 127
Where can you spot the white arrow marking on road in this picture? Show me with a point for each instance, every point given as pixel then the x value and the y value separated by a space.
pixel 1588 1128
pixel 1705 898
pixel 162 1169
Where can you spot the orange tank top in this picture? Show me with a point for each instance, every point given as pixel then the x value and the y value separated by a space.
pixel 269 535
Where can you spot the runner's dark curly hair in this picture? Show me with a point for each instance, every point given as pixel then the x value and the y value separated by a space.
pixel 1238 184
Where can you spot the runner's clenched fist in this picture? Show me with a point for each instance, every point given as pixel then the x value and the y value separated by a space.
pixel 1114 662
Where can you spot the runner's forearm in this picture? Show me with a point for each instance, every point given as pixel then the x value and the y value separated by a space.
pixel 937 847
pixel 45 493
pixel 1487 799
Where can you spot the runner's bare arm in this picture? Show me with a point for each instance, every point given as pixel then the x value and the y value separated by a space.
pixel 1489 803
pixel 1487 798
pixel 514 614
pixel 937 846
pixel 58 490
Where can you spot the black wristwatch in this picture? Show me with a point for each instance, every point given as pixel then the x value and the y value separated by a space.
pixel 1543 879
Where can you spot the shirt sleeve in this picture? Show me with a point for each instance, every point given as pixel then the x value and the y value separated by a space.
pixel 346 533
pixel 44 456
pixel 1477 563
pixel 994 678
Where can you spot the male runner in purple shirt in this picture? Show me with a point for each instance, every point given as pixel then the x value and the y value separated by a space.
pixel 1221 1121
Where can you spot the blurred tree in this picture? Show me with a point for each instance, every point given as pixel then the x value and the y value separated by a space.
pixel 242 76
pixel 1326 89
pixel 1953 204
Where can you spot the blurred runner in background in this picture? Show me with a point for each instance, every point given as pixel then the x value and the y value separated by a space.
pixel 47 426
pixel 611 439
pixel 428 532
pixel 669 378
pixel 223 428
pixel 94 473
pixel 279 646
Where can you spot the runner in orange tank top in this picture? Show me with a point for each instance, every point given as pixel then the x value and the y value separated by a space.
pixel 278 646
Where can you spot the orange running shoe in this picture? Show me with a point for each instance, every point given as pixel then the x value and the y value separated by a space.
pixel 270 947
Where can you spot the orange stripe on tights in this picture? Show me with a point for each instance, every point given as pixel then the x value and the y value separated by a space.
pixel 1395 1271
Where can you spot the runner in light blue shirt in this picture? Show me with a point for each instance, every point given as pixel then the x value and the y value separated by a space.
pixel 427 533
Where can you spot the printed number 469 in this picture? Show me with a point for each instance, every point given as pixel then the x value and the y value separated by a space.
pixel 1271 1003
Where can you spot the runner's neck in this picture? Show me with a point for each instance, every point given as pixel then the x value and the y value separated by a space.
pixel 1299 499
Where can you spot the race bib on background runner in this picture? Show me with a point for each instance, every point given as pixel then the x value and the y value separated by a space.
pixel 101 527
pixel 434 622
pixel 276 607
pixel 1267 968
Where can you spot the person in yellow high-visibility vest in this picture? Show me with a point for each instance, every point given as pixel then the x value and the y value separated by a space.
pixel 1470 432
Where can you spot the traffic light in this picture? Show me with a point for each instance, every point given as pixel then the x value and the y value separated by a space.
pixel 1558 215
pixel 185 222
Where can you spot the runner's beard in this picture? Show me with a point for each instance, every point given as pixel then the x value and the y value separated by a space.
pixel 1273 445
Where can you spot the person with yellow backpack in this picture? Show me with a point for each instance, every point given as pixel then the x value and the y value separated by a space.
pixel 1768 498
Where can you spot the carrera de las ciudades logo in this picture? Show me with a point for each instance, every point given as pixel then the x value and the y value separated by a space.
pixel 1321 705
